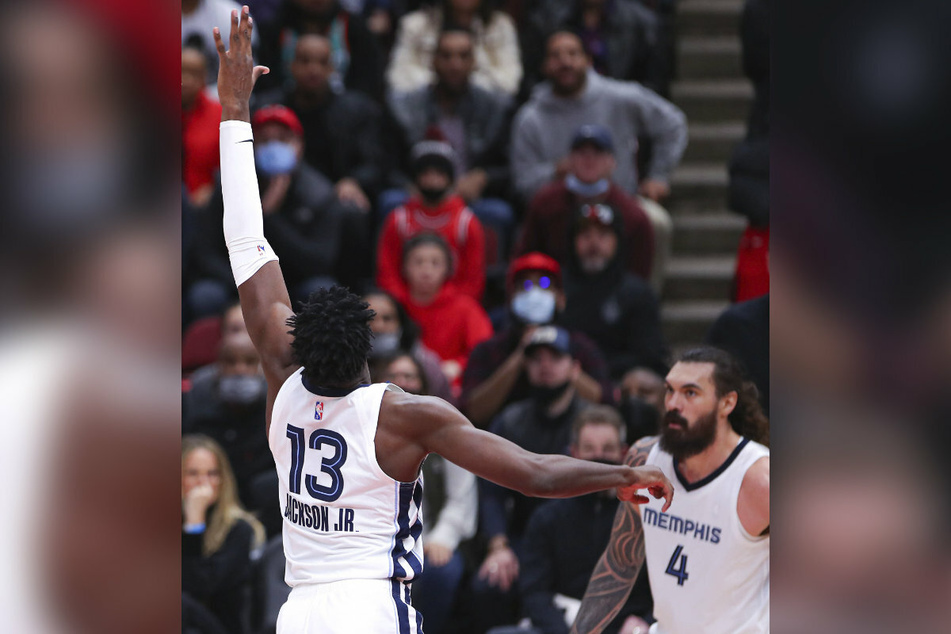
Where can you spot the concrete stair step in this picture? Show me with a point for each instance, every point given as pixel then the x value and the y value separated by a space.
pixel 703 57
pixel 697 186
pixel 708 277
pixel 686 322
pixel 709 17
pixel 707 233
pixel 713 100
pixel 713 141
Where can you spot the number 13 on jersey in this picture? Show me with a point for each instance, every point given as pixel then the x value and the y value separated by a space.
pixel 331 466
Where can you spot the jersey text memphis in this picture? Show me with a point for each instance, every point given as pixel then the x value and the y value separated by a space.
pixel 707 574
pixel 343 517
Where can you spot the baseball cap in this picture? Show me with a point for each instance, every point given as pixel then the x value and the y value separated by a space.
pixel 593 134
pixel 533 261
pixel 436 154
pixel 278 114
pixel 554 337
pixel 596 213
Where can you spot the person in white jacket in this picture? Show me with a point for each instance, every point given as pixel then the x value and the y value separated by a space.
pixel 498 66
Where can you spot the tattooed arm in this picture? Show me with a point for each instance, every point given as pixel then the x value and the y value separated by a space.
pixel 617 570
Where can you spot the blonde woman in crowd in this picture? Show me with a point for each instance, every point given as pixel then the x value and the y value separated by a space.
pixel 218 535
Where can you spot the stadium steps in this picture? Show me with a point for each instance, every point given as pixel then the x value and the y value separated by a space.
pixel 707 58
pixel 713 142
pixel 716 98
pixel 686 322
pixel 697 186
pixel 707 232
pixel 709 18
pixel 701 278
pixel 713 100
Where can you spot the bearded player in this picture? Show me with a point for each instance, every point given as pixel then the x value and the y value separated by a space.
pixel 708 562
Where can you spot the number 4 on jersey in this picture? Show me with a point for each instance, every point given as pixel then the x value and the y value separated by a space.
pixel 672 569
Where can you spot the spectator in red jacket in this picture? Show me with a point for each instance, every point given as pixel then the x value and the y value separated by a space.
pixel 434 209
pixel 200 118
pixel 451 323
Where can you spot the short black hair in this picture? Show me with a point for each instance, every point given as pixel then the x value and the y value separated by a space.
pixel 550 35
pixel 454 30
pixel 332 336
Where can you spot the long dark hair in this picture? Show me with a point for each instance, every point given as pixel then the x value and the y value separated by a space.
pixel 747 418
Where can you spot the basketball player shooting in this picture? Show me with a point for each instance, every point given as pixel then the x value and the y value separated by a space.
pixel 348 454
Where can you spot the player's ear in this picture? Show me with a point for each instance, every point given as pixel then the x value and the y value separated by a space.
pixel 728 403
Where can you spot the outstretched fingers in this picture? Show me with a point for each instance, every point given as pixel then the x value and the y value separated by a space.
pixel 219 45
pixel 235 27
pixel 240 34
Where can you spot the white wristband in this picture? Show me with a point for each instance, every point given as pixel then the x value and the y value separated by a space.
pixel 243 219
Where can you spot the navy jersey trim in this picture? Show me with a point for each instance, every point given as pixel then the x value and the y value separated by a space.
pixel 332 392
pixel 408 492
pixel 713 476
pixel 402 609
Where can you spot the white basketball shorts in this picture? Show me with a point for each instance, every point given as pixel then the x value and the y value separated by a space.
pixel 355 606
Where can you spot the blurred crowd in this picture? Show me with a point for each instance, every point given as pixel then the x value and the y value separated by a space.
pixel 491 178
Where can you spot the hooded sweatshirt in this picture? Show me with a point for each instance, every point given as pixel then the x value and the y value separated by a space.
pixel 617 310
pixel 452 220
pixel 545 126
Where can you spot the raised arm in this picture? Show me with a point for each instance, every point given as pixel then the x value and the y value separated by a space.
pixel 264 299
pixel 617 570
pixel 432 425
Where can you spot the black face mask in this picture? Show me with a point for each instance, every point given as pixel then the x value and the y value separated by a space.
pixel 545 396
pixel 432 195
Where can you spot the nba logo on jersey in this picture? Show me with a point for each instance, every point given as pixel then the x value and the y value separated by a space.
pixel 260 249
pixel 319 411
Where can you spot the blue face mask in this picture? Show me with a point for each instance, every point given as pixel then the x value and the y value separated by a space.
pixel 275 157
pixel 587 190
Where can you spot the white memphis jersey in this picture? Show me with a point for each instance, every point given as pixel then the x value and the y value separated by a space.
pixel 344 518
pixel 707 574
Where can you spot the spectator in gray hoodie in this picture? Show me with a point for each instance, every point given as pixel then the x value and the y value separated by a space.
pixel 575 95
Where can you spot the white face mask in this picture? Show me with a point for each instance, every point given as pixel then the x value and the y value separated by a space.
pixel 534 306
pixel 239 389
pixel 385 343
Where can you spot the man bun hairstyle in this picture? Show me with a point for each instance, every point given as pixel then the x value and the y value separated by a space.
pixel 332 336
pixel 747 418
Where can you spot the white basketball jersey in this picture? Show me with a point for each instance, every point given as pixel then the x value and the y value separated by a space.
pixel 707 574
pixel 344 518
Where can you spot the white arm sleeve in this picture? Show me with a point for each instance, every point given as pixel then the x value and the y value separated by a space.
pixel 243 218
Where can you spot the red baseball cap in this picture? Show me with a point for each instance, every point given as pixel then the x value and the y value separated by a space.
pixel 533 261
pixel 278 114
